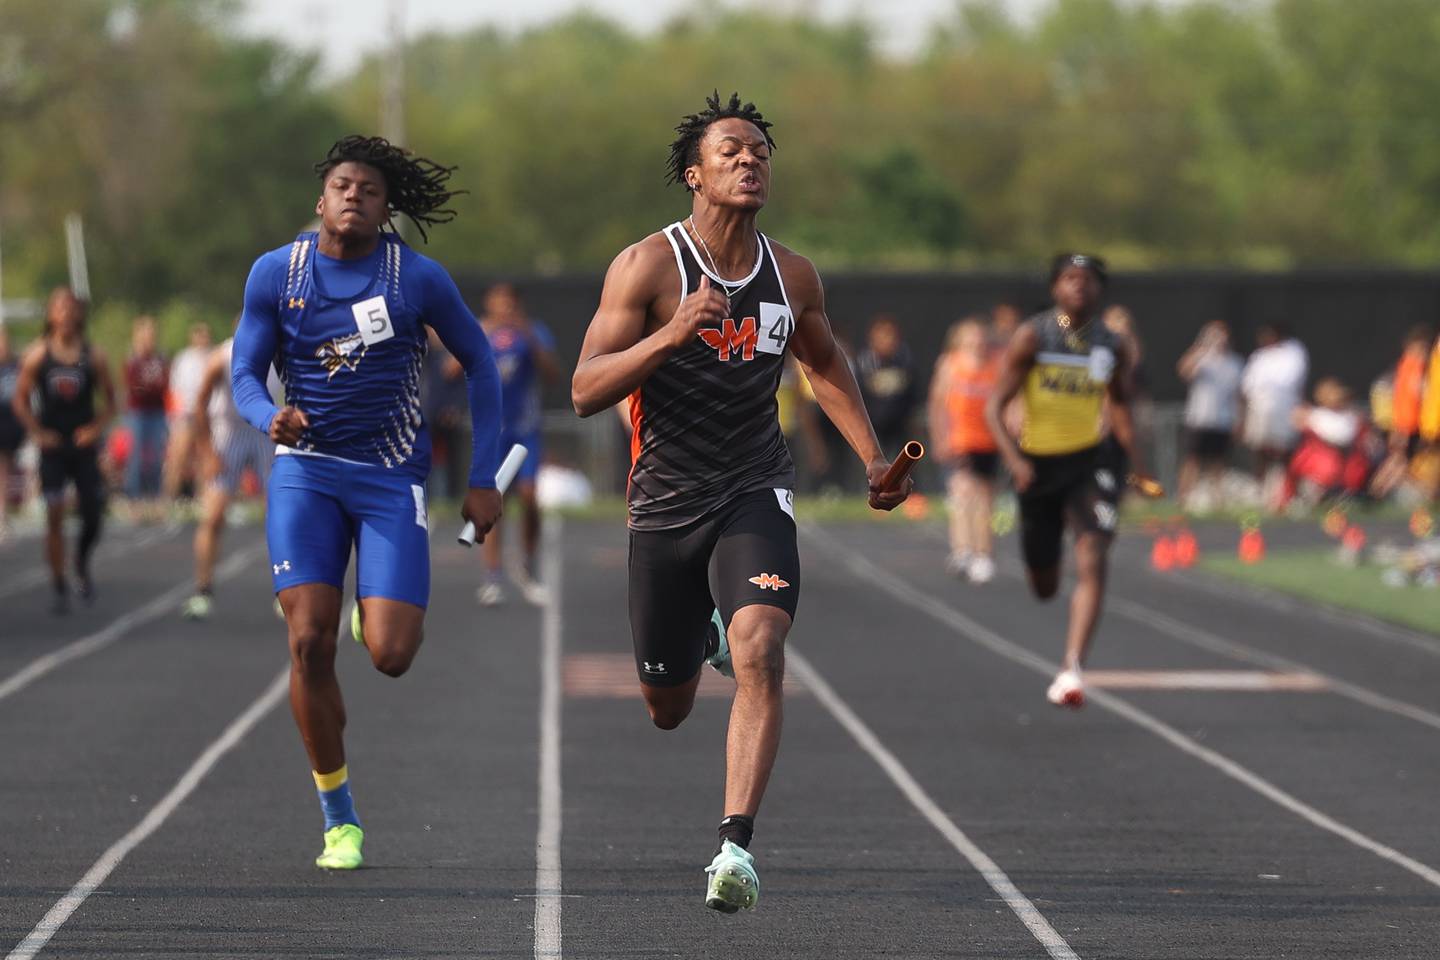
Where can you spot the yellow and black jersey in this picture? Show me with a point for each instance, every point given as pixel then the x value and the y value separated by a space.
pixel 1065 389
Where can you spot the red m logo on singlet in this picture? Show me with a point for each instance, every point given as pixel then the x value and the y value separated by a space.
pixel 741 339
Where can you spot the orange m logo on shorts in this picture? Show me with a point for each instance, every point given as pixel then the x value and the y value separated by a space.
pixel 741 339
pixel 770 581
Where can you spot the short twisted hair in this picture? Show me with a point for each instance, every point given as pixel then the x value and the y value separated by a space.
pixel 414 186
pixel 685 151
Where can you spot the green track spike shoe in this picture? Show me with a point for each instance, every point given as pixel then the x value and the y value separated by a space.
pixel 720 659
pixel 342 848
pixel 733 884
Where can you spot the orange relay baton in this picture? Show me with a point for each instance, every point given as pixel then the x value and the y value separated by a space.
pixel 900 468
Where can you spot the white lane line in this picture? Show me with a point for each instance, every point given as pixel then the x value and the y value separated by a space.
pixel 988 869
pixel 111 858
pixel 1283 603
pixel 983 636
pixel 1237 681
pixel 41 574
pixel 548 888
pixel 118 627
pixel 1205 640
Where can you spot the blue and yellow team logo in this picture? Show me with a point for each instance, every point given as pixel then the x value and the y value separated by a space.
pixel 341 353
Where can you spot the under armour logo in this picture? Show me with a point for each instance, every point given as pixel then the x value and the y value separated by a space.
pixel 653 667
pixel 770 581
pixel 282 567
pixel 297 303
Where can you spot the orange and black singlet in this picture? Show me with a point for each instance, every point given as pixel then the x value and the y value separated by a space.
pixel 704 425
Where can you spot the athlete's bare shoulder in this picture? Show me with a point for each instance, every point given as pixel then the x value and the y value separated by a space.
pixel 34 355
pixel 801 279
pixel 643 263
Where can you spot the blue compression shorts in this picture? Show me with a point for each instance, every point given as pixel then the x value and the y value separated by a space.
pixel 319 506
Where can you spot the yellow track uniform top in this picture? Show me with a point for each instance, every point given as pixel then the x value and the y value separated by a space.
pixel 1065 390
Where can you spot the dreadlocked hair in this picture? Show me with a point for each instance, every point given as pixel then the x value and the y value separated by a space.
pixel 685 151
pixel 414 185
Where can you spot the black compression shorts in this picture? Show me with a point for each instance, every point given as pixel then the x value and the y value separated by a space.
pixel 742 554
pixel 69 463
pixel 1081 489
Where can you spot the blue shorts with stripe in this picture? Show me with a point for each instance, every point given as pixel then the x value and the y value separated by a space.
pixel 318 507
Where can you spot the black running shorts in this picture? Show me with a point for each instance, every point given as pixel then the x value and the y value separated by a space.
pixel 1081 489
pixel 69 463
pixel 741 554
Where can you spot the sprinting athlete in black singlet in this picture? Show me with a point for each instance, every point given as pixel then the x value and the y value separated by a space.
pixel 693 326
pixel 61 374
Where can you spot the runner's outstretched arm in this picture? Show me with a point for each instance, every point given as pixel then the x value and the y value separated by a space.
pixel 452 321
pixel 257 337
pixel 831 378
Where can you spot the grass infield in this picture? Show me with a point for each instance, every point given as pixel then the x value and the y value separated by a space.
pixel 1314 574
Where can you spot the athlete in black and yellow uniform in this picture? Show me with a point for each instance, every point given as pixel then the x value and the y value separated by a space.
pixel 61 375
pixel 693 326
pixel 1066 366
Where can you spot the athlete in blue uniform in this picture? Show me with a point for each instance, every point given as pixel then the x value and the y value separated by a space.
pixel 341 314
pixel 525 355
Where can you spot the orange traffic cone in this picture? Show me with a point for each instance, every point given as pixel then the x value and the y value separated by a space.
pixel 1187 549
pixel 1162 555
pixel 1252 546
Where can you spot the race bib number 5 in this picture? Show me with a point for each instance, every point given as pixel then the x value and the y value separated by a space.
pixel 372 319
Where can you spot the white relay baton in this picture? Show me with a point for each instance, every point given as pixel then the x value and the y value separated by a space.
pixel 508 468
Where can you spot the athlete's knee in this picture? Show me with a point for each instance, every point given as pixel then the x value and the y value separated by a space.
pixel 1091 556
pixel 1044 583
pixel 393 661
pixel 668 706
pixel 762 662
pixel 312 649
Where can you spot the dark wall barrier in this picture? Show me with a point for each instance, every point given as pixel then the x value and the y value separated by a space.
pixel 1352 321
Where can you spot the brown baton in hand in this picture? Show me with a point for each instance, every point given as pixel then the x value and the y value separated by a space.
pixel 910 455
pixel 1147 487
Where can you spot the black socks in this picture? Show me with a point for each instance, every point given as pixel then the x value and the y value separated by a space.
pixel 738 829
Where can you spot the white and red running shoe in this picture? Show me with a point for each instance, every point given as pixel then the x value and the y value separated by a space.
pixel 1067 690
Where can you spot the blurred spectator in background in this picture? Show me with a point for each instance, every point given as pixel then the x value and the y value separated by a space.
pixel 1425 464
pixel 964 378
pixel 1407 391
pixel 186 373
pixel 1121 322
pixel 12 434
pixel 525 356
pixel 1005 318
pixel 1272 386
pixel 1333 457
pixel 886 373
pixel 1213 370
pixel 1397 406
pixel 147 378
pixel 446 409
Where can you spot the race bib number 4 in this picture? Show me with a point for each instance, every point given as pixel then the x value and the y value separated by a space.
pixel 372 319
pixel 776 326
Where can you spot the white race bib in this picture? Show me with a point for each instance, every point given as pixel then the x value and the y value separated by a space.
pixel 787 500
pixel 421 520
pixel 1102 364
pixel 776 326
pixel 372 319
